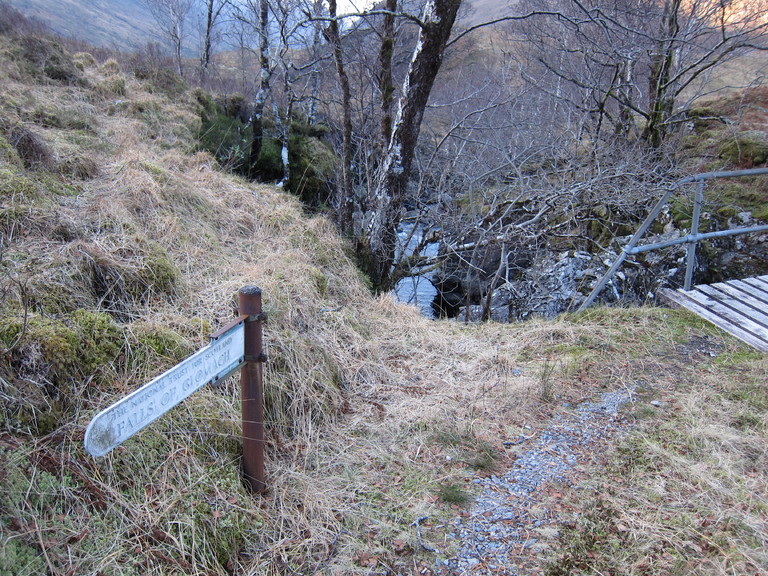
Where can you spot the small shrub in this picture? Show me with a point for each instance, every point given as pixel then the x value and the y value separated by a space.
pixel 225 136
pixel 270 164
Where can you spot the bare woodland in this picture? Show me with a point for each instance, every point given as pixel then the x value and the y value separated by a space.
pixel 552 119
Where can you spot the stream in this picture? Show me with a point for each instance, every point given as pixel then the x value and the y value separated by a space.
pixel 416 290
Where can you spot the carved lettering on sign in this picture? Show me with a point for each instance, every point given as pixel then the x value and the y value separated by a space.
pixel 126 417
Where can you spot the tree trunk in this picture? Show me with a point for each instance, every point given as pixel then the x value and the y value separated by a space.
pixel 386 83
pixel 205 57
pixel 345 194
pixel 660 94
pixel 260 100
pixel 437 22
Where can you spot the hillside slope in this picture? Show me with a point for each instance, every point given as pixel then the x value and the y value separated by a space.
pixel 120 24
pixel 123 247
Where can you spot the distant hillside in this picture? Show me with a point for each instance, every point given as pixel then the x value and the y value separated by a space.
pixel 128 24
pixel 123 24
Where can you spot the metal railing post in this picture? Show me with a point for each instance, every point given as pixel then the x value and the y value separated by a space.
pixel 632 248
pixel 252 389
pixel 690 262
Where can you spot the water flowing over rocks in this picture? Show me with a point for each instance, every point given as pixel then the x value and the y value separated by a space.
pixel 524 282
pixel 507 521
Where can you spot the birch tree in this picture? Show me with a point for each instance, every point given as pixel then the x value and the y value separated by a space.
pixel 171 17
pixel 435 27
pixel 213 10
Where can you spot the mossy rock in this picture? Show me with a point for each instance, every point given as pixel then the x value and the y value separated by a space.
pixel 746 149
pixel 82 346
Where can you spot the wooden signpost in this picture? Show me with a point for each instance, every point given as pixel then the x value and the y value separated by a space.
pixel 238 344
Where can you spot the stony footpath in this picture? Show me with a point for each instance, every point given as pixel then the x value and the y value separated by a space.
pixel 502 532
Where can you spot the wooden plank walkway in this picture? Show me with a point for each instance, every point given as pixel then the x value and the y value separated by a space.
pixel 740 307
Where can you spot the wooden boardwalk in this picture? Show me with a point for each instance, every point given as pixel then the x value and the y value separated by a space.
pixel 740 307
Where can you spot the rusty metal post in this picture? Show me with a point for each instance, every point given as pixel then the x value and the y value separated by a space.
pixel 252 389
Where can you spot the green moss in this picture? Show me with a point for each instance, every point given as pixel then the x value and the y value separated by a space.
pixel 18 558
pixel 82 346
pixel 55 346
pixel 8 154
pixel 159 272
pixel 100 340
pixel 746 149
pixel 151 348
pixel 14 185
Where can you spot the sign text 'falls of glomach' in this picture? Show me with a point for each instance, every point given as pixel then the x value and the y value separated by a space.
pixel 124 418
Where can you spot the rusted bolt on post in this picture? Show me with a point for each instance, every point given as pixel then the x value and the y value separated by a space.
pixel 252 389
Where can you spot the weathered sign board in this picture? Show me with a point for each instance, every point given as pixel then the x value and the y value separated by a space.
pixel 114 425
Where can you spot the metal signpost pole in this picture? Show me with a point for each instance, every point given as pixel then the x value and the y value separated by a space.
pixel 252 389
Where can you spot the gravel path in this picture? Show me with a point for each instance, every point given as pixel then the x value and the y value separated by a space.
pixel 505 521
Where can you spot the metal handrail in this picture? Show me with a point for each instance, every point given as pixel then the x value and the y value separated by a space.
pixel 691 239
